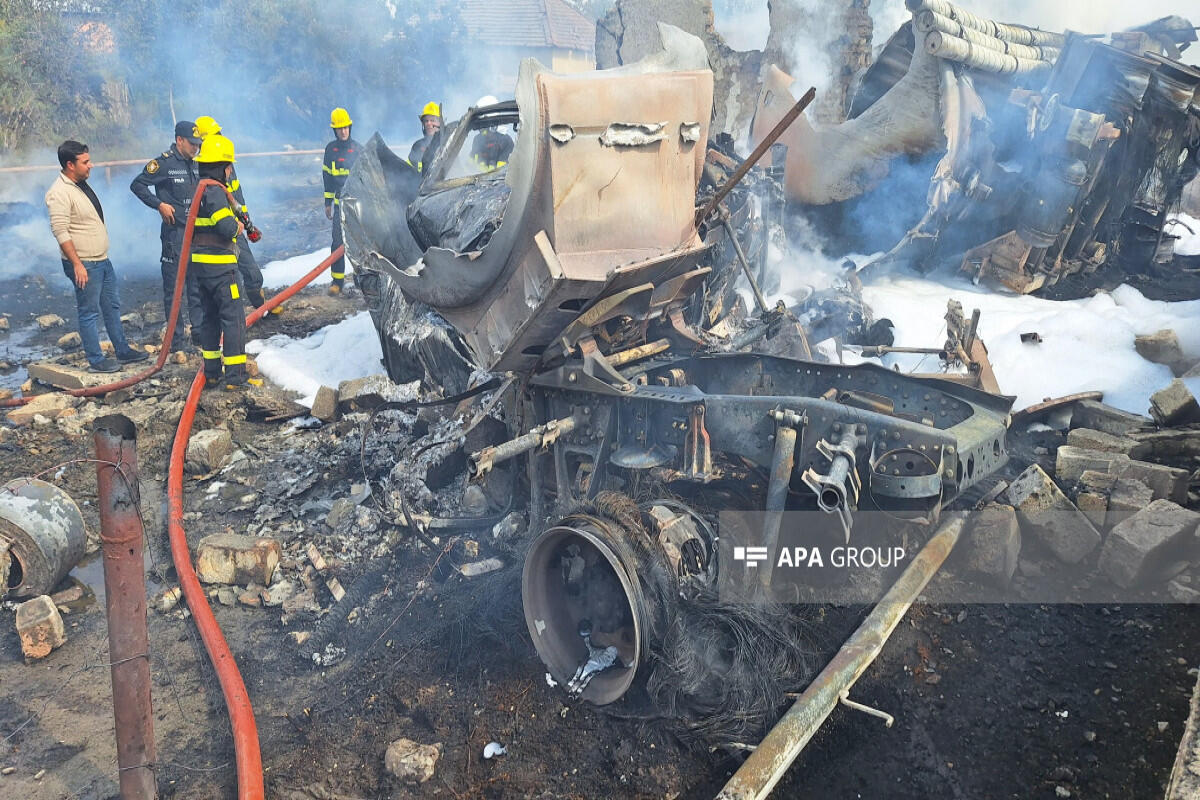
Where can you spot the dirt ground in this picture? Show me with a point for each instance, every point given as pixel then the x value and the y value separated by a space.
pixel 1011 700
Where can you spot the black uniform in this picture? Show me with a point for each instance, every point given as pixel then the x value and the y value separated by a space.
pixel 251 275
pixel 491 149
pixel 173 181
pixel 335 167
pixel 222 320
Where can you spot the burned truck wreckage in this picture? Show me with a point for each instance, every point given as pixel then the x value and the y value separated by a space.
pixel 643 399
pixel 605 282
pixel 1019 156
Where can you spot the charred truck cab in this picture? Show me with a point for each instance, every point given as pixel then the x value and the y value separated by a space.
pixel 643 400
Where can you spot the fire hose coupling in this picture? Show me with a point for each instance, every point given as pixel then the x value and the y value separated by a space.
pixel 838 489
pixel 541 437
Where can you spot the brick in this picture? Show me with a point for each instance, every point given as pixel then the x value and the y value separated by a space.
pixel 993 543
pixel 363 394
pixel 1128 497
pixel 40 627
pixel 1139 546
pixel 1090 439
pixel 49 405
pixel 1168 483
pixel 208 451
pixel 1098 416
pixel 230 558
pixel 46 321
pixel 1174 405
pixel 1046 514
pixel 325 404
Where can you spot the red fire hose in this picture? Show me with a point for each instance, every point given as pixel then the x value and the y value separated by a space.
pixel 237 700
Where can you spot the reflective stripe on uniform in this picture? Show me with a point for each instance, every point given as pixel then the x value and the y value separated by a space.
pixel 230 361
pixel 210 354
pixel 233 290
pixel 329 195
pixel 214 258
pixel 337 276
pixel 335 171
pixel 218 215
pixel 234 185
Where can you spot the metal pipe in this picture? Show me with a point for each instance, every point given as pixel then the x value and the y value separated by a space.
pixel 782 464
pixel 121 540
pixel 638 353
pixel 737 248
pixel 758 153
pixel 927 21
pixel 541 436
pixel 759 774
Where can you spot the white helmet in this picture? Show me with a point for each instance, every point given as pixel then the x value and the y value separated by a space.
pixel 486 100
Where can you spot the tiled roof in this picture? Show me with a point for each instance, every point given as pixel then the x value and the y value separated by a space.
pixel 528 23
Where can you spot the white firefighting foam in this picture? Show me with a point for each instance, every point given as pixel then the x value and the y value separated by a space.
pixel 281 274
pixel 339 352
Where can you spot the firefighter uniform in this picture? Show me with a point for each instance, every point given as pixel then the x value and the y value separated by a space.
pixel 420 148
pixel 214 258
pixel 491 150
pixel 251 275
pixel 171 178
pixel 340 155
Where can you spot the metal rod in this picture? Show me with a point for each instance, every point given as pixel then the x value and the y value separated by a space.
pixel 782 464
pixel 121 538
pixel 770 760
pixel 638 353
pixel 542 436
pixel 758 153
pixel 737 248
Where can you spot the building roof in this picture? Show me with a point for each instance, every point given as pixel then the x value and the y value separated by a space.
pixel 528 23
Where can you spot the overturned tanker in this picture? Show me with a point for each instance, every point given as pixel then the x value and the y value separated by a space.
pixel 642 403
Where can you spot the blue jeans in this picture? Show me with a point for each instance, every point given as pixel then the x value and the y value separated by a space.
pixel 98 299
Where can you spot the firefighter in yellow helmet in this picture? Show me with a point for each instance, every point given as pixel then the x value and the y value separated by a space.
pixel 431 124
pixel 340 155
pixel 251 275
pixel 213 265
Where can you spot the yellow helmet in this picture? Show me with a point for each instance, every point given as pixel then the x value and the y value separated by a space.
pixel 340 118
pixel 431 109
pixel 215 149
pixel 207 126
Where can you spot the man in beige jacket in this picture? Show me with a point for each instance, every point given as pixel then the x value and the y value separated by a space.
pixel 77 222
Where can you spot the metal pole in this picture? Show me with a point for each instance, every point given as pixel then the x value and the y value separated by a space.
pixel 121 537
pixel 770 760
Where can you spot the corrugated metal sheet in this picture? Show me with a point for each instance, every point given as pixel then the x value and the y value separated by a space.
pixel 528 23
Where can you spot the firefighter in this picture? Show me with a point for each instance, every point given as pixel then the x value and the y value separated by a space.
pixel 490 149
pixel 431 124
pixel 340 155
pixel 251 275
pixel 214 262
pixel 166 184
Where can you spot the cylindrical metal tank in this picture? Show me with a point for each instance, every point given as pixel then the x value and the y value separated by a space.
pixel 1052 196
pixel 43 530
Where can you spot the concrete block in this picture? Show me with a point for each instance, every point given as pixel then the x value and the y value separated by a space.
pixel 47 321
pixel 1162 348
pixel 1046 514
pixel 70 341
pixel 208 451
pixel 1071 462
pixel 412 761
pixel 1094 481
pixel 1128 496
pixel 40 627
pixel 993 543
pixel 1090 439
pixel 1098 416
pixel 325 404
pixel 1174 405
pixel 49 405
pixel 1094 506
pixel 1140 545
pixel 363 394
pixel 65 376
pixel 1168 483
pixel 234 559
